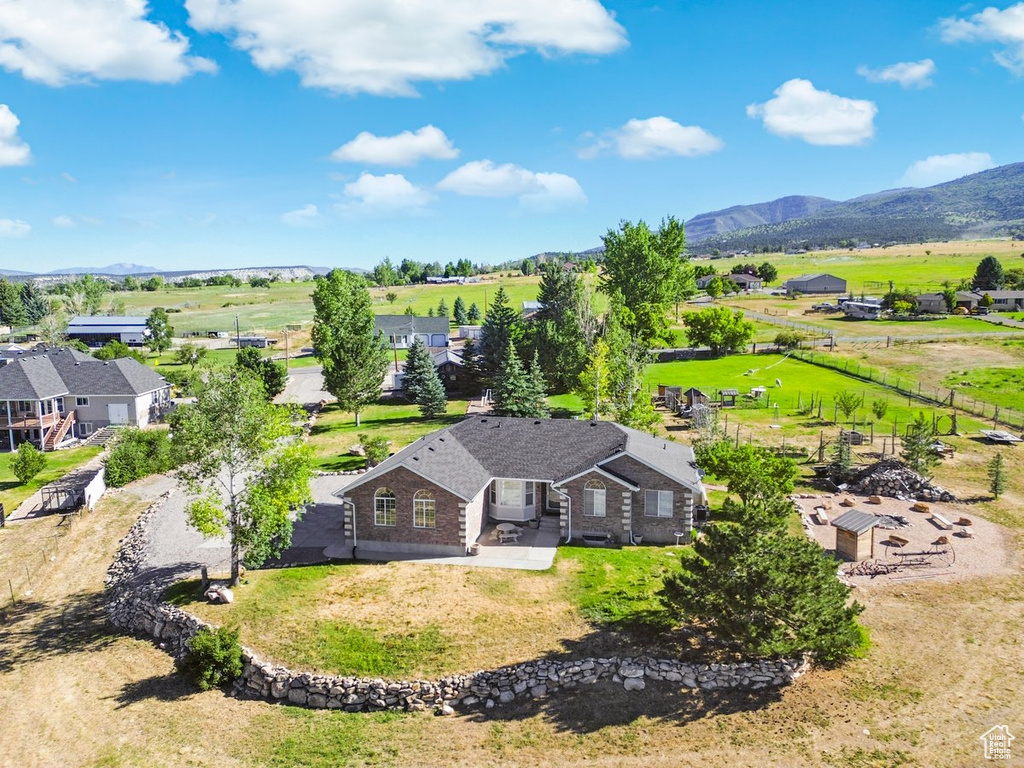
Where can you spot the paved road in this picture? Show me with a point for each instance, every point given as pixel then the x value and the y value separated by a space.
pixel 305 386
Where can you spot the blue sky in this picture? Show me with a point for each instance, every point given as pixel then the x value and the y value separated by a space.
pixel 188 134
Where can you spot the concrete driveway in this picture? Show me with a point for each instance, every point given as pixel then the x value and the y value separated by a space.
pixel 305 386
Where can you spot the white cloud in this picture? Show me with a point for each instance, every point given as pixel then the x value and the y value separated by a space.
pixel 69 178
pixel 406 148
pixel 13 151
pixel 818 117
pixel 909 74
pixel 654 137
pixel 66 41
pixel 384 47
pixel 536 191
pixel 992 25
pixel 63 222
pixel 939 168
pixel 302 217
pixel 391 193
pixel 14 228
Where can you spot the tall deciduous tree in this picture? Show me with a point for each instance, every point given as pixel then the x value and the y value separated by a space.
pixel 768 273
pixel 593 382
pixel 989 275
pixel 649 271
pixel 244 477
pixel 721 329
pixel 160 331
pixel 190 354
pixel 628 356
pixel 353 354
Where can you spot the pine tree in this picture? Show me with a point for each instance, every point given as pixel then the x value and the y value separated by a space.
pixel 473 316
pixel 513 391
pixel 430 312
pixel 432 400
pixel 556 331
pixel 917 446
pixel 989 276
pixel 419 364
pixel 12 312
pixel 34 301
pixel 501 328
pixel 470 369
pixel 842 459
pixel 442 309
pixel 459 311
pixel 352 352
pixel 997 476
pixel 538 390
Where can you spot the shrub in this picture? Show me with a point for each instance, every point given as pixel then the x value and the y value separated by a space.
pixel 788 339
pixel 377 448
pixel 214 657
pixel 136 454
pixel 28 462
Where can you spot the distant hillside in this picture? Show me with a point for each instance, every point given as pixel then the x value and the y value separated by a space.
pixel 707 225
pixel 13 273
pixel 111 269
pixel 986 204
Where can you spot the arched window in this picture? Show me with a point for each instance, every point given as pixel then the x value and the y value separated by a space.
pixel 423 511
pixel 594 499
pixel 384 507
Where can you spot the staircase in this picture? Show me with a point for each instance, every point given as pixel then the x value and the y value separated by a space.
pixel 58 432
pixel 101 436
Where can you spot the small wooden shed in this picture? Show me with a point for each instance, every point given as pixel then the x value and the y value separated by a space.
pixel 694 396
pixel 729 396
pixel 855 539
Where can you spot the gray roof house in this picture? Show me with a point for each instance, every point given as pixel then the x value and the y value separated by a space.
pixel 816 283
pixel 599 480
pixel 400 330
pixel 52 396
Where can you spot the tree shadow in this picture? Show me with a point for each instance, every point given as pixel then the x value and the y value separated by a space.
pixel 168 688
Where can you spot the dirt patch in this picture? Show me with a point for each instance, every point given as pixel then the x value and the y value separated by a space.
pixel 987 552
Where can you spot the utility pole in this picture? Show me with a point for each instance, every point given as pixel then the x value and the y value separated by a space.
pixel 238 335
pixel 285 347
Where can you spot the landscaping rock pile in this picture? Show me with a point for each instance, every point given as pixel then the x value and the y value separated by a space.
pixel 896 480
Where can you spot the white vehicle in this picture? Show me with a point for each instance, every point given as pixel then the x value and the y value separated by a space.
pixel 825 306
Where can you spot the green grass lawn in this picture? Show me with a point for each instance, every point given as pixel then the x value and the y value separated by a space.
pixel 58 464
pixel 336 432
pixel 1000 386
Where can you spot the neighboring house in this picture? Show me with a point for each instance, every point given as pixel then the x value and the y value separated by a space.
pixel 450 369
pixel 97 330
pixel 440 279
pixel 51 396
pixel 747 282
pixel 400 330
pixel 530 309
pixel 602 480
pixel 472 332
pixel 816 283
pixel 935 303
pixel 705 281
pixel 1002 301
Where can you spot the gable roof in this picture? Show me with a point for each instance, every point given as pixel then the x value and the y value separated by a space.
pixel 392 324
pixel 465 457
pixel 57 372
pixel 106 323
pixel 855 521
pixel 32 378
pixel 448 355
pixel 813 276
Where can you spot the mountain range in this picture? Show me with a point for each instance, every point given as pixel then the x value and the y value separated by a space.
pixel 985 204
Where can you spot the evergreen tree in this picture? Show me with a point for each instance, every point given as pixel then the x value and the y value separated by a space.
pixel 842 460
pixel 419 364
pixel 470 366
pixel 432 400
pixel 430 312
pixel 556 331
pixel 538 389
pixel 473 316
pixel 997 475
pixel 989 275
pixel 353 353
pixel 34 301
pixel 514 392
pixel 501 328
pixel 917 446
pixel 442 309
pixel 459 311
pixel 12 312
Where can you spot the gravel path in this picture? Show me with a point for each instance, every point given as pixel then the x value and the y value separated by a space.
pixel 305 385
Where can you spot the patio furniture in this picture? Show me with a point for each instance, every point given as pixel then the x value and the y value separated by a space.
pixel 507 532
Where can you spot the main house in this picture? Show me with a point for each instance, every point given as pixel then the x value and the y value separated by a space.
pixel 602 480
pixel 49 397
pixel 401 330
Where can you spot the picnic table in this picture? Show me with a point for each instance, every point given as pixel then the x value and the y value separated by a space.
pixel 508 532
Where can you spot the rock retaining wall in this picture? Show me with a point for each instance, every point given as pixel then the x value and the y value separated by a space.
pixel 139 609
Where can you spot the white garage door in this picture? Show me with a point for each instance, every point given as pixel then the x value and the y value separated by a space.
pixel 118 413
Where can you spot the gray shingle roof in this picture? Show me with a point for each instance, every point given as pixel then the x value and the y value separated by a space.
pixel 855 521
pixel 389 324
pixel 129 322
pixel 32 378
pixel 465 457
pixel 68 371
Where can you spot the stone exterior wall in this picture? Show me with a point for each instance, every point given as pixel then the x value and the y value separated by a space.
pixel 656 530
pixel 448 537
pixel 617 509
pixel 138 608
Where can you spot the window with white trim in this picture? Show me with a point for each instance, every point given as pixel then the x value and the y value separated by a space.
pixel 384 505
pixel 594 496
pixel 657 503
pixel 81 402
pixel 423 510
pixel 528 495
pixel 85 428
